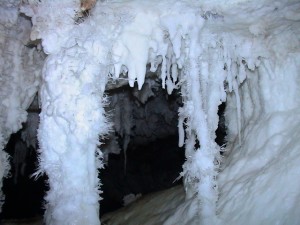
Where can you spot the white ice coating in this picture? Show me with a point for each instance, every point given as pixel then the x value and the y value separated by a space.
pixel 255 49
pixel 72 117
pixel 138 31
pixel 244 53
pixel 68 135
pixel 20 76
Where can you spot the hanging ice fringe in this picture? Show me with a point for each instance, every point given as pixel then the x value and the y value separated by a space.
pixel 212 64
pixel 202 153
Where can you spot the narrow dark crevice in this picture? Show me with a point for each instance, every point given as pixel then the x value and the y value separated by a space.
pixel 221 131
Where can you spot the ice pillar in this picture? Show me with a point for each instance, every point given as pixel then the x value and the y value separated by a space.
pixel 72 119
pixel 201 150
pixel 202 92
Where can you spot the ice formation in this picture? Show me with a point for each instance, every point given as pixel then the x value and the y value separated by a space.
pixel 20 76
pixel 256 54
pixel 244 53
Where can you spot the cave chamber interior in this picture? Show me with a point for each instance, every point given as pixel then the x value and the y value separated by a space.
pixel 141 153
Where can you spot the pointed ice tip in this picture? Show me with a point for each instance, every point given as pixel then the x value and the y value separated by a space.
pixel 140 86
pixel 117 70
pixel 131 83
pixel 141 79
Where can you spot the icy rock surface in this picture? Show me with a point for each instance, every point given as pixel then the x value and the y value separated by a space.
pixel 260 66
pixel 20 76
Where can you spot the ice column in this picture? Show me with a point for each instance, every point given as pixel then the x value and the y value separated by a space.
pixel 202 92
pixel 71 121
pixel 201 151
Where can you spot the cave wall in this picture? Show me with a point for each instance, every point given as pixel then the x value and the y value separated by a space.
pixel 20 76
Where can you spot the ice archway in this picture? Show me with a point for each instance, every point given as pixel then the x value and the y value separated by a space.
pixel 245 53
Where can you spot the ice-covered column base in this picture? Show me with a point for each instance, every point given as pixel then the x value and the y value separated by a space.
pixel 72 119
pixel 4 168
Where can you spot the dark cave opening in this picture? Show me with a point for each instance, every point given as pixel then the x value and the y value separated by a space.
pixel 221 131
pixel 150 168
pixel 154 162
pixel 23 193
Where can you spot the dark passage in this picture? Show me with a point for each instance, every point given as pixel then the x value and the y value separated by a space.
pixel 150 168
pixel 23 194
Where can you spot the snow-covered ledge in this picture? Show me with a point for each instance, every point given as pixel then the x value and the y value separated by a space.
pixel 201 46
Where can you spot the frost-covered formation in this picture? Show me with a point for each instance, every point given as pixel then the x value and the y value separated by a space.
pixel 254 48
pixel 19 76
pixel 238 51
pixel 68 135
pixel 259 174
pixel 128 36
pixel 72 117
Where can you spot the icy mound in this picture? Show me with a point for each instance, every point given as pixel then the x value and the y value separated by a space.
pixel 261 187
